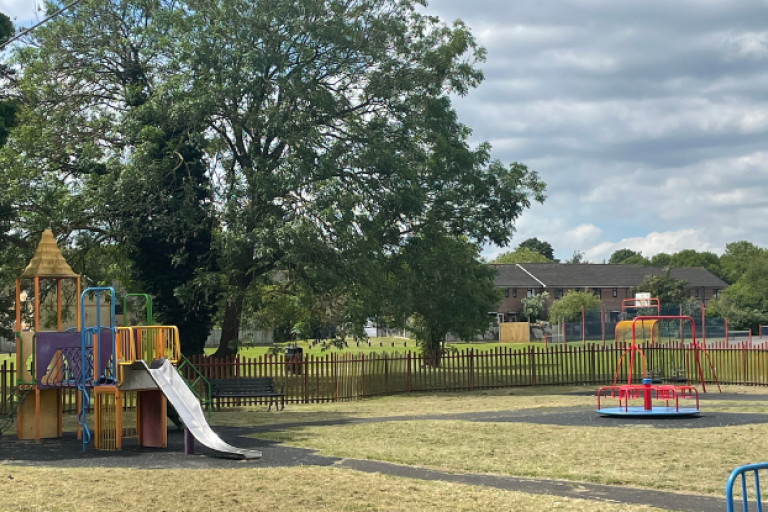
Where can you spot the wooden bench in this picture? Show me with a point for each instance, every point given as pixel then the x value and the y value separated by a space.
pixel 248 387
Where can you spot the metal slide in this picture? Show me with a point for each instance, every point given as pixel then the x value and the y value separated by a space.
pixel 191 413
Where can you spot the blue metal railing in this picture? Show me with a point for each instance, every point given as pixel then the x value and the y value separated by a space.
pixel 741 473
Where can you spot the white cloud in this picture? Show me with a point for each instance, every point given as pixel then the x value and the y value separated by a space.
pixel 21 11
pixel 652 243
pixel 745 45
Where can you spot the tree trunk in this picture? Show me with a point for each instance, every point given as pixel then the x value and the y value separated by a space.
pixel 232 316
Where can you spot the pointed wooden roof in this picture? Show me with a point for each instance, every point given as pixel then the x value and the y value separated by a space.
pixel 48 260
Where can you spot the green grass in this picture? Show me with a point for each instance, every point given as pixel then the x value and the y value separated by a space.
pixel 385 345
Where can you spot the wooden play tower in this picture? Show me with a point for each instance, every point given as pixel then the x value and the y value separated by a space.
pixel 39 414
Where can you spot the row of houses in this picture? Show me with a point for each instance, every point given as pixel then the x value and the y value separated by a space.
pixel 611 283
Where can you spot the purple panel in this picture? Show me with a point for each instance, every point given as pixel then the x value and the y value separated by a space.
pixel 105 349
pixel 46 346
pixel 68 343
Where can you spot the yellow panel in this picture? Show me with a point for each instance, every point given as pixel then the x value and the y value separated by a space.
pixel 50 410
pixel 25 418
pixel 24 353
pixel 514 332
pixel 108 421
pixel 645 331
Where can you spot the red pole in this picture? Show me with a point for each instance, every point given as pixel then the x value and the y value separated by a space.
pixel 647 394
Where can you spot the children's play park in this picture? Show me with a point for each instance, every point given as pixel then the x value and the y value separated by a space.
pixel 80 348
pixel 103 362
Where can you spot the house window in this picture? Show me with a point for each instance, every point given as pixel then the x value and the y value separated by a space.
pixel 597 292
pixel 514 292
pixel 530 293
pixel 558 293
pixel 506 292
pixel 615 292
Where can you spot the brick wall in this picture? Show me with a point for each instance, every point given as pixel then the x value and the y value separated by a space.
pixel 511 302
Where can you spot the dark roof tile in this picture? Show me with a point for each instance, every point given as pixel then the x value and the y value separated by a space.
pixel 559 275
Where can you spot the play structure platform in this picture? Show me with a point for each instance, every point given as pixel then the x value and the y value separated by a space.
pixel 649 393
pixel 658 401
pixel 110 367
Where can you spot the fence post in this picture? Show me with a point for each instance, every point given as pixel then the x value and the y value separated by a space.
pixel 532 363
pixel 471 369
pixel 408 372
pixel 335 376
pixel 305 367
pixel 362 375
pixel 386 374
pixel 743 366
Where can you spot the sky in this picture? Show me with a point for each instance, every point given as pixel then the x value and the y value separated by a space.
pixel 647 119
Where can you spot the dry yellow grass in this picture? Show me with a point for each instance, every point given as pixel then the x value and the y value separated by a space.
pixel 422 404
pixel 696 460
pixel 410 405
pixel 251 489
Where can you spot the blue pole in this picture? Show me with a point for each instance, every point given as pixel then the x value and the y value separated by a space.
pixel 97 359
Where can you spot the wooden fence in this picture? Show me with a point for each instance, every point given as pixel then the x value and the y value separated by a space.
pixel 339 377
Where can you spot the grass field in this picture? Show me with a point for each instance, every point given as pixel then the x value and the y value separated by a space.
pixel 668 459
pixel 275 489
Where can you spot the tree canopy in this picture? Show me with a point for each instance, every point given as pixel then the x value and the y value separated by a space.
pixel 216 143
pixel 520 255
pixel 665 288
pixel 539 246
pixel 568 307
pixel 628 257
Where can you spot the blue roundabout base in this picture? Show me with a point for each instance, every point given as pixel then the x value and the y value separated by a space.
pixel 656 412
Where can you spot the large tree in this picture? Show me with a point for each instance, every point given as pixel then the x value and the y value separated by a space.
pixel 693 258
pixel 568 308
pixel 520 255
pixel 628 257
pixel 445 288
pixel 327 126
pixel 539 246
pixel 737 259
pixel 124 171
pixel 663 287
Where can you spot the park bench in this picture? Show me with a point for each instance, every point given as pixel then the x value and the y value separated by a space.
pixel 248 387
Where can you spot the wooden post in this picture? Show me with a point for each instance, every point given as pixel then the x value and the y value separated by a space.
pixel 532 363
pixel 37 304
pixel 386 375
pixel 408 372
pixel 362 375
pixel 18 306
pixel 77 304
pixel 58 304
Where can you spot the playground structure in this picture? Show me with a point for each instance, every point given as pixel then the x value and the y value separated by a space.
pixel 107 365
pixel 750 490
pixel 649 331
pixel 647 390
